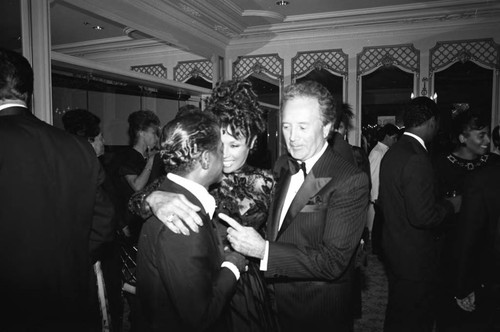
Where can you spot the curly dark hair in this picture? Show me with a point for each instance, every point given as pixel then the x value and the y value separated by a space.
pixel 185 138
pixel 81 122
pixel 418 111
pixel 236 106
pixel 466 121
pixel 140 120
pixel 344 115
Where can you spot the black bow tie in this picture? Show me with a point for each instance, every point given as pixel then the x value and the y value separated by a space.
pixel 295 166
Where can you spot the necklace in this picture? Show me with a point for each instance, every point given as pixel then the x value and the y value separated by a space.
pixel 469 165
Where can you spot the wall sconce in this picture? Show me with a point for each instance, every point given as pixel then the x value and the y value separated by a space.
pixel 424 89
pixel 435 97
pixel 412 95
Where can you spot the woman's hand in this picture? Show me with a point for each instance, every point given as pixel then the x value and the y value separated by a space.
pixel 175 211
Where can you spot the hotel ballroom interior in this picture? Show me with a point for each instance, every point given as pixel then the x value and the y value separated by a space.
pixel 114 57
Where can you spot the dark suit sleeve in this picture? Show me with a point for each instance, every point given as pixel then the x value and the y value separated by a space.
pixel 422 208
pixel 186 267
pixel 472 230
pixel 341 228
pixel 102 230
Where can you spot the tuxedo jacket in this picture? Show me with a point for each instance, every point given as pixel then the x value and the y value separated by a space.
pixel 52 214
pixel 311 256
pixel 477 247
pixel 412 212
pixel 180 283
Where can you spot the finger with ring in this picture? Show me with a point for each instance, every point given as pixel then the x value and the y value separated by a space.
pixel 170 218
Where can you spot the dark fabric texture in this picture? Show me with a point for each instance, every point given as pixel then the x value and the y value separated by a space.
pixel 311 257
pixel 54 217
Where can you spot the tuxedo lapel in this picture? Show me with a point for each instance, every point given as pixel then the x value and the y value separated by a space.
pixel 311 186
pixel 280 194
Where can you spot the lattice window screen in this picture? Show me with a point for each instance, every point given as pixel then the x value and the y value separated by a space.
pixel 332 60
pixel 404 56
pixel 483 51
pixel 157 70
pixel 196 68
pixel 270 64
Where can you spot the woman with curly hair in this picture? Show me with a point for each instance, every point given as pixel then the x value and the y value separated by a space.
pixel 244 193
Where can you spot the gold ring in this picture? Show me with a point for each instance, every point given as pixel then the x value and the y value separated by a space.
pixel 170 218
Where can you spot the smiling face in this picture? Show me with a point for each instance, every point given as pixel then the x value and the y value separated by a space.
pixel 303 128
pixel 477 142
pixel 236 151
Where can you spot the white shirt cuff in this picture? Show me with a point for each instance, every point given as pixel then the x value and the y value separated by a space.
pixel 263 261
pixel 233 269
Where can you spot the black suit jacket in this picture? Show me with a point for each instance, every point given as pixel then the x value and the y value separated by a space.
pixel 412 212
pixel 52 214
pixel 311 256
pixel 478 234
pixel 180 283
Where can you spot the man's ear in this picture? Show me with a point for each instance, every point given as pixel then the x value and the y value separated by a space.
pixel 326 130
pixel 205 160
pixel 461 138
pixel 252 142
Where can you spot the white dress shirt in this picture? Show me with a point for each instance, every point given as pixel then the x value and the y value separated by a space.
pixel 295 183
pixel 375 157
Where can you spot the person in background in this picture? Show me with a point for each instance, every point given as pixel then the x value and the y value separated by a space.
pixel 184 283
pixel 315 222
pixel 386 137
pixel 244 193
pixel 54 215
pixel 470 135
pixel 338 139
pixel 136 165
pixel 83 123
pixel 477 248
pixel 412 213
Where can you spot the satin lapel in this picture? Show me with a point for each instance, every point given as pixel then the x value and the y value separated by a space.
pixel 280 195
pixel 309 188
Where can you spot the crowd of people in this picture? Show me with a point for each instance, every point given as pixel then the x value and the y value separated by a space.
pixel 220 245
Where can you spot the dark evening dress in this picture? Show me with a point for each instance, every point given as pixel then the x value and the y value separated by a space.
pixel 245 196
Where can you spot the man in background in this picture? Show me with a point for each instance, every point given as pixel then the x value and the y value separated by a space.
pixel 386 137
pixel 412 213
pixel 53 215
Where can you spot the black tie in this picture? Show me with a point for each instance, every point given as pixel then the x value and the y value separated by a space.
pixel 295 166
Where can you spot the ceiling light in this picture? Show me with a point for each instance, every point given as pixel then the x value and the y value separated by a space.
pixel 97 27
pixel 282 3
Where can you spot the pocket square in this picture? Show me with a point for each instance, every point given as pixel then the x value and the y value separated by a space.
pixel 315 200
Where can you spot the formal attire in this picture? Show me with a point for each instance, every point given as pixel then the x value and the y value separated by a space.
pixel 309 260
pixel 452 172
pixel 342 147
pixel 53 218
pixel 410 243
pixel 181 284
pixel 245 195
pixel 375 158
pixel 477 249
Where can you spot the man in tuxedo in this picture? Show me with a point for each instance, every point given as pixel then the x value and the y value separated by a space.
pixel 53 215
pixel 315 222
pixel 412 214
pixel 477 249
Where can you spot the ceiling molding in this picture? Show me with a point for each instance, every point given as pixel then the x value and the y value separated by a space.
pixel 264 13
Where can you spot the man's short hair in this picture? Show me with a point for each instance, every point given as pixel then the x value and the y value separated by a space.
pixel 16 76
pixel 418 111
pixel 317 91
pixel 388 130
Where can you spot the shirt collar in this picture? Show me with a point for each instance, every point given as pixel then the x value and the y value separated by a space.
pixel 418 138
pixel 311 161
pixel 12 105
pixel 197 190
